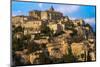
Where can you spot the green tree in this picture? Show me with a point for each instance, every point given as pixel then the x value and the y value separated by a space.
pixel 46 30
pixel 88 25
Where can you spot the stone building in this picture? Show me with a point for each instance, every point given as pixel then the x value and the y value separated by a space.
pixel 65 19
pixel 21 20
pixel 56 27
pixel 78 22
pixel 32 27
pixel 35 14
pixel 49 14
pixel 18 20
pixel 55 21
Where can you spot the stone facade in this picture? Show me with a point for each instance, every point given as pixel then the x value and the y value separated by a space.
pixel 32 27
pixel 50 14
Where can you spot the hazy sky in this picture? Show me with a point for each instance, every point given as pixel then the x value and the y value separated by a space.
pixel 73 11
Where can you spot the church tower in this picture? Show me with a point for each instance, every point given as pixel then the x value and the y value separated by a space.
pixel 51 8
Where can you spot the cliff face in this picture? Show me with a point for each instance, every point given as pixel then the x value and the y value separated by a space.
pixel 57 41
pixel 72 45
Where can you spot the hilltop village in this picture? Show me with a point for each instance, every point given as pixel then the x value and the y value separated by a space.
pixel 46 37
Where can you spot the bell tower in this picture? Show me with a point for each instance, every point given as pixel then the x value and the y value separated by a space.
pixel 51 8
